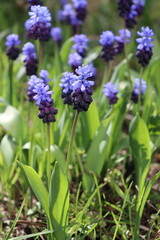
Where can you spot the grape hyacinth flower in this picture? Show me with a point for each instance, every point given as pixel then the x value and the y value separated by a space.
pixel 30 61
pixel 130 20
pixel 107 39
pixel 80 7
pixel 139 5
pixel 38 26
pixel 34 80
pixel 124 37
pixel 45 102
pixel 75 60
pixel 67 14
pixel 124 7
pixel 56 34
pixel 66 84
pixel 82 92
pixel 34 2
pixel 12 41
pixel 110 91
pixel 139 88
pixel 80 44
pixel 144 48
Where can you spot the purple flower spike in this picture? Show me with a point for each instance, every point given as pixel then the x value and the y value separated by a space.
pixel 30 61
pixel 75 60
pixel 107 39
pixel 56 34
pixel 80 44
pixel 66 84
pixel 124 37
pixel 38 26
pixel 140 86
pixel 12 41
pixel 80 7
pixel 110 91
pixel 144 48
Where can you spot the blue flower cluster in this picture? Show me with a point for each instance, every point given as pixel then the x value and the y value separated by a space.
pixel 12 41
pixel 110 91
pixel 112 45
pixel 76 89
pixel 73 14
pixel 140 87
pixel 39 91
pixel 80 44
pixel 74 60
pixel 144 48
pixel 129 10
pixel 30 60
pixel 38 26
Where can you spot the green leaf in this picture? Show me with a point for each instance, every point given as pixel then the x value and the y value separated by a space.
pixel 59 202
pixel 91 125
pixel 11 121
pixel 92 55
pixel 32 235
pixel 37 186
pixel 96 154
pixel 7 148
pixel 140 147
pixel 59 156
pixel 65 50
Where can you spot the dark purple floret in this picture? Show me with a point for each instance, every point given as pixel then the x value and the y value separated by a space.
pixel 107 53
pixel 47 112
pixel 80 8
pixel 81 100
pixel 31 66
pixel 34 2
pixel 67 99
pixel 124 7
pixel 12 52
pixel 39 31
pixel 144 56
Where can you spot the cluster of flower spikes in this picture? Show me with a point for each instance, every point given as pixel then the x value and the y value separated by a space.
pixel 30 61
pixel 110 91
pixel 56 34
pixel 76 89
pixel 34 2
pixel 112 45
pixel 42 95
pixel 38 26
pixel 144 48
pixel 139 88
pixel 129 10
pixel 12 51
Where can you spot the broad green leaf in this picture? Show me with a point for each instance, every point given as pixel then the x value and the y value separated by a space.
pixel 96 154
pixel 11 121
pixel 59 202
pixel 7 148
pixel 92 120
pixel 65 50
pixel 140 147
pixel 37 186
pixel 59 156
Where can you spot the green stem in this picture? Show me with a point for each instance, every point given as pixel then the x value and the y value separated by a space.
pixel 71 143
pixel 41 54
pixel 48 155
pixel 10 81
pixel 139 95
pixel 106 76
